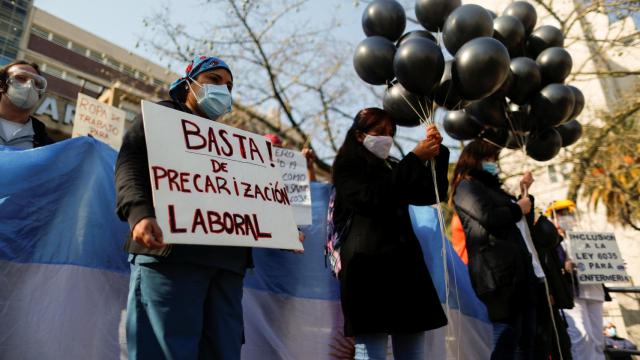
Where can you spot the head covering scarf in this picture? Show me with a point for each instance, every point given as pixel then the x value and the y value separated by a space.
pixel 198 65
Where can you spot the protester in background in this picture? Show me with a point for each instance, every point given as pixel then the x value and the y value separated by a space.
pixel 613 341
pixel 500 264
pixel 552 337
pixel 21 87
pixel 185 301
pixel 385 285
pixel 458 239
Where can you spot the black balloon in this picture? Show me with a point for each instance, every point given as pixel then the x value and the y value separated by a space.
pixel 402 105
pixel 419 65
pixel 570 132
pixel 446 94
pixel 373 60
pixel 489 111
pixel 384 18
pixel 481 67
pixel 552 105
pixel 496 136
pixel 579 102
pixel 518 119
pixel 544 145
pixel 543 38
pixel 516 141
pixel 525 12
pixel 432 13
pixel 525 80
pixel 461 126
pixel 492 14
pixel 509 31
pixel 464 24
pixel 555 65
pixel 415 34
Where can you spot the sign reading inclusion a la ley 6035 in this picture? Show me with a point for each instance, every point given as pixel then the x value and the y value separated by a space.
pixel 214 184
pixel 597 257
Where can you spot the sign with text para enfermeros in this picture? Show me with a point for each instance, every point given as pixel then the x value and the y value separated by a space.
pixel 101 121
pixel 597 257
pixel 213 184
pixel 293 167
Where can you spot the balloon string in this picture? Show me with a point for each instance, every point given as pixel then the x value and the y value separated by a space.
pixel 520 142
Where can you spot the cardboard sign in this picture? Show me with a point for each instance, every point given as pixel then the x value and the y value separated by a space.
pixel 214 184
pixel 597 257
pixel 293 167
pixel 99 120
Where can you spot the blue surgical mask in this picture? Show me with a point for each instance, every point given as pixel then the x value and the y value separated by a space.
pixel 213 100
pixel 490 167
pixel 611 332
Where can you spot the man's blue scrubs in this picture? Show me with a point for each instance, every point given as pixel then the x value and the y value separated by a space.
pixel 187 305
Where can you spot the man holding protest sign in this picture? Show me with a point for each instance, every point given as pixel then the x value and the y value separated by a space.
pixel 185 301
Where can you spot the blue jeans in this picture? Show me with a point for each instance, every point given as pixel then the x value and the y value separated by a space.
pixel 515 338
pixel 184 311
pixel 405 346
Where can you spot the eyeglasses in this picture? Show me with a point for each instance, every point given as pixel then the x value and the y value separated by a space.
pixel 22 78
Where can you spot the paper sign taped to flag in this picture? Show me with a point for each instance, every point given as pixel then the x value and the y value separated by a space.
pixel 597 257
pixel 98 120
pixel 293 167
pixel 214 184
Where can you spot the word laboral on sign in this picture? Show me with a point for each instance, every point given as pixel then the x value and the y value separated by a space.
pixel 293 167
pixel 214 184
pixel 99 120
pixel 597 257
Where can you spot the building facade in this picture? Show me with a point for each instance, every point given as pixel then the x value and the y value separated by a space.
pixel 76 61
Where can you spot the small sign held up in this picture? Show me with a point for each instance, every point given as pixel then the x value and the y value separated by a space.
pixel 293 167
pixel 597 257
pixel 98 120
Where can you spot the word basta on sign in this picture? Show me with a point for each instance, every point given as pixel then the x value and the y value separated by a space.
pixel 214 184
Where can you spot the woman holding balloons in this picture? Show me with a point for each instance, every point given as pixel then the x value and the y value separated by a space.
pixel 385 285
pixel 503 272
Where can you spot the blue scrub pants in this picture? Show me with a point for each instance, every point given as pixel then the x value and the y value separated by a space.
pixel 184 311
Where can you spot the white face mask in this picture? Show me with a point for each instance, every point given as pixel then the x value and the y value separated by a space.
pixel 379 146
pixel 23 96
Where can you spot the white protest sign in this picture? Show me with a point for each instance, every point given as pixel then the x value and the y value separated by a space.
pixel 101 121
pixel 293 167
pixel 597 257
pixel 214 184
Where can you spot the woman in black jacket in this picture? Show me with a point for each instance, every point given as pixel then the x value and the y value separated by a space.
pixel 386 288
pixel 500 262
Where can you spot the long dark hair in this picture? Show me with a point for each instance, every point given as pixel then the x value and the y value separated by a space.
pixel 471 159
pixel 365 120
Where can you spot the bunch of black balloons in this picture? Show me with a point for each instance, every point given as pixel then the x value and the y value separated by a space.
pixel 504 84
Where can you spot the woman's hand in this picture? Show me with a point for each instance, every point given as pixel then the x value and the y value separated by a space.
pixel 147 233
pixel 525 182
pixel 429 148
pixel 525 205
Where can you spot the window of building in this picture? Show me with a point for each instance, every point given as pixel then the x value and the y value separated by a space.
pixel 79 49
pixel 59 40
pixel 94 55
pixel 73 79
pixel 129 70
pixel 53 71
pixel 109 61
pixel 158 82
pixel 93 87
pixel 40 32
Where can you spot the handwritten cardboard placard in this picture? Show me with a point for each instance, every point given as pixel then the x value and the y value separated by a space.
pixel 214 184
pixel 101 121
pixel 293 167
pixel 597 257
